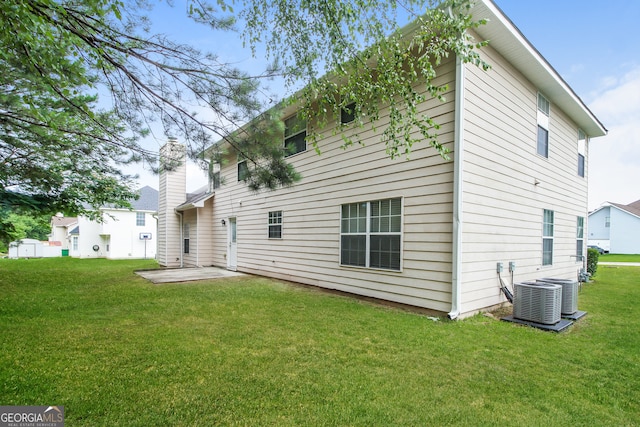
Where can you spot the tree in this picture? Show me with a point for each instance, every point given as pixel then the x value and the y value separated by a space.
pixel 21 227
pixel 61 151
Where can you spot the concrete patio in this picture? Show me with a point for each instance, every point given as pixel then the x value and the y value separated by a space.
pixel 177 275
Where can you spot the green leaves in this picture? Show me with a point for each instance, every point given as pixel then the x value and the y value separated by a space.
pixel 366 59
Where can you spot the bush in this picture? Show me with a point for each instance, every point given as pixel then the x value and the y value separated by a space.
pixel 592 261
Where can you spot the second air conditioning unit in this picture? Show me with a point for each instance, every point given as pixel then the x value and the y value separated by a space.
pixel 537 302
pixel 569 293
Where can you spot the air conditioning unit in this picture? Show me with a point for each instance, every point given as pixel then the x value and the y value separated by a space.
pixel 537 302
pixel 569 294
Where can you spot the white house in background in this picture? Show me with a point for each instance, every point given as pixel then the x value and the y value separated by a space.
pixel 616 228
pixel 426 232
pixel 122 234
pixel 61 227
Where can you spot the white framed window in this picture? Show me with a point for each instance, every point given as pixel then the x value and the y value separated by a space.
pixel 275 225
pixel 547 237
pixel 295 135
pixel 371 234
pixel 243 168
pixel 140 219
pixel 185 238
pixel 580 238
pixel 607 221
pixel 543 126
pixel 74 243
pixel 582 150
pixel 214 176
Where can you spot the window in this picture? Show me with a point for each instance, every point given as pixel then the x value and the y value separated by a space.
pixel 74 243
pixel 185 237
pixel 543 126
pixel 348 113
pixel 543 142
pixel 243 169
pixel 547 237
pixel 295 134
pixel 580 238
pixel 140 219
pixel 607 221
pixel 275 225
pixel 582 148
pixel 214 176
pixel 370 234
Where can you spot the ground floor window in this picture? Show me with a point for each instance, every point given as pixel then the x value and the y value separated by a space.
pixel 580 238
pixel 371 234
pixel 275 225
pixel 185 237
pixel 547 237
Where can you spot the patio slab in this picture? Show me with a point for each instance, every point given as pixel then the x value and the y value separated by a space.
pixel 177 275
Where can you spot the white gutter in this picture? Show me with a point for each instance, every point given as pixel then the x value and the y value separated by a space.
pixel 458 144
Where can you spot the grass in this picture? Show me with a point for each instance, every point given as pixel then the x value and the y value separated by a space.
pixel 619 258
pixel 116 350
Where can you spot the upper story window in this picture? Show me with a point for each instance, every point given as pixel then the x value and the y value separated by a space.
pixel 243 168
pixel 140 219
pixel 214 176
pixel 295 134
pixel 543 126
pixel 348 113
pixel 582 149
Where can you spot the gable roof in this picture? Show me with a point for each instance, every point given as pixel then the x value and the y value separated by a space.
pixel 628 208
pixel 509 41
pixel 148 200
pixel 635 205
pixel 63 221
pixel 632 208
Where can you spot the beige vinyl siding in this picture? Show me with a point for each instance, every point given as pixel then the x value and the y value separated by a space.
pixel 205 231
pixel 171 194
pixel 503 206
pixel 309 250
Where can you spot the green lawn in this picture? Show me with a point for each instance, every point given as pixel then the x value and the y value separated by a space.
pixel 619 258
pixel 116 350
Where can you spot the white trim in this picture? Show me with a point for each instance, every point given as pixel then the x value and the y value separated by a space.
pixel 456 264
pixel 509 41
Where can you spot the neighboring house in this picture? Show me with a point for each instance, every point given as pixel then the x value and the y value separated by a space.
pixel 61 227
pixel 616 228
pixel 123 233
pixel 425 232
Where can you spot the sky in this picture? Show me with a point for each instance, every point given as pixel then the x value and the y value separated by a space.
pixel 594 45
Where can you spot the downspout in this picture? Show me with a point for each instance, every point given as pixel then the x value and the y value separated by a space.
pixel 181 238
pixel 458 144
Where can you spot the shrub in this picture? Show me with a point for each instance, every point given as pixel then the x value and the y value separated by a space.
pixel 592 261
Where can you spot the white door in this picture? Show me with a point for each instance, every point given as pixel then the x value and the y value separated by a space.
pixel 232 245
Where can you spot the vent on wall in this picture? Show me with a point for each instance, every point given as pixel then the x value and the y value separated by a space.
pixel 537 302
pixel 569 293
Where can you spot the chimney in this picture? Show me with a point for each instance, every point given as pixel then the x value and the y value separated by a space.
pixel 172 193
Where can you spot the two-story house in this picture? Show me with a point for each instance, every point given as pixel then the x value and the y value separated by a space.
pixel 427 232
